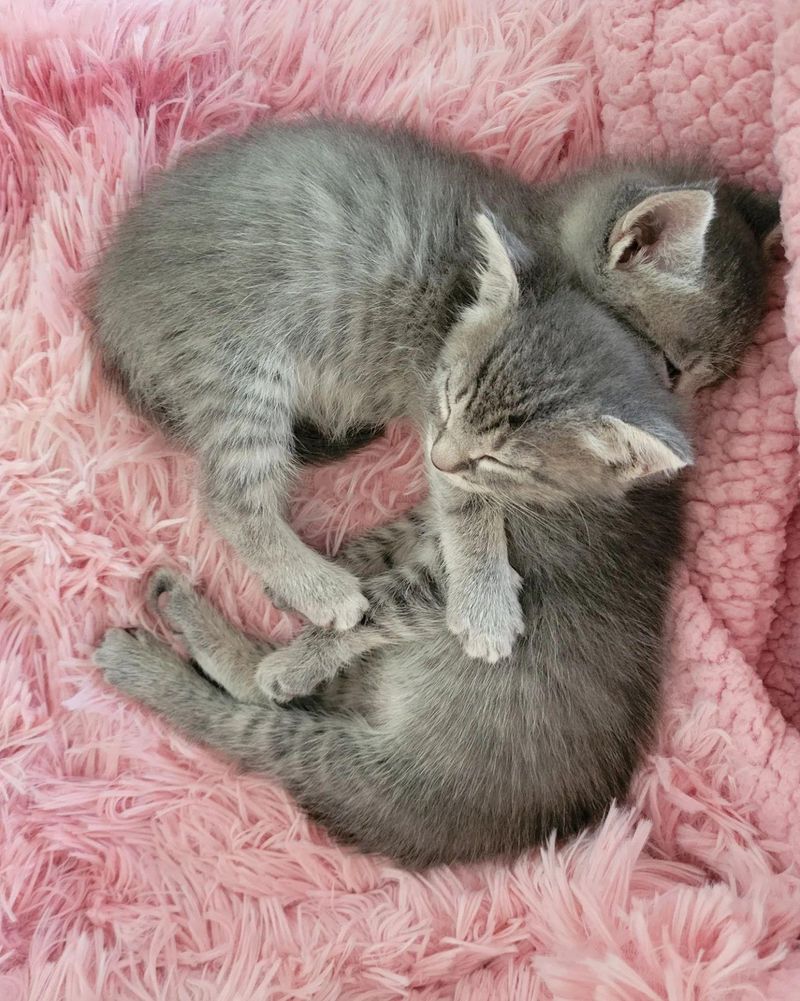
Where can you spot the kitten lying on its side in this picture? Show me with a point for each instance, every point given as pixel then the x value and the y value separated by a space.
pixel 409 747
pixel 316 277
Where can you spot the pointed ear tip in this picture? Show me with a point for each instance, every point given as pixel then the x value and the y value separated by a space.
pixel 698 204
pixel 706 202
pixel 683 455
pixel 680 445
pixel 688 211
pixel 773 242
pixel 488 235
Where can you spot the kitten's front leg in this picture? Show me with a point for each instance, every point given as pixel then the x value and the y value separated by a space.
pixel 247 481
pixel 483 607
pixel 406 605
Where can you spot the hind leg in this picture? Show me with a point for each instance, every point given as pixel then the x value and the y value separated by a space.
pixel 403 541
pixel 405 602
pixel 223 652
pixel 406 606
pixel 252 670
pixel 147 670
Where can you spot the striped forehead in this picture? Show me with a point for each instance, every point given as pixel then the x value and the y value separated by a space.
pixel 504 385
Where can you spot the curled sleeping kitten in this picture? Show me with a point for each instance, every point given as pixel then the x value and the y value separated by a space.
pixel 305 281
pixel 408 747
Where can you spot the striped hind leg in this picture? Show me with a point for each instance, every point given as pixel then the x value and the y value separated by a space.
pixel 226 654
pixel 409 539
pixel 406 603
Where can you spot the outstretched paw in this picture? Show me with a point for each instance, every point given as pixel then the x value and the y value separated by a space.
pixel 282 676
pixel 488 621
pixel 331 599
pixel 140 665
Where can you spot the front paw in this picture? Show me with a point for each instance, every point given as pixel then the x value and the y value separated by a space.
pixel 281 678
pixel 331 599
pixel 138 664
pixel 487 622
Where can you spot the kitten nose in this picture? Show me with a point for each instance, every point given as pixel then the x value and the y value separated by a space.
pixel 446 457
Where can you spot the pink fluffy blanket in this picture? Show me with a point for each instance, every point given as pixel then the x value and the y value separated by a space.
pixel 136 866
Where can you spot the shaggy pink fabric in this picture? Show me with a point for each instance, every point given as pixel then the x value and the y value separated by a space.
pixel 136 866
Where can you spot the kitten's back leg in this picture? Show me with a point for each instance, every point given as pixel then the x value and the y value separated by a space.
pixel 248 469
pixel 231 658
pixel 406 607
pixel 351 776
pixel 389 546
pixel 225 654
pixel 399 563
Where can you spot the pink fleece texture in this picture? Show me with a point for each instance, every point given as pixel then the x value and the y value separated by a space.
pixel 134 865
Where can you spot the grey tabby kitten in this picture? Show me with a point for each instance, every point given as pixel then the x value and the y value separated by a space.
pixel 325 278
pixel 409 747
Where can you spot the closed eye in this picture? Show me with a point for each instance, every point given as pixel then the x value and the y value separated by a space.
pixel 492 462
pixel 444 402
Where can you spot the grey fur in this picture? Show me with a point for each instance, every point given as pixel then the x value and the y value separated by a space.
pixel 408 747
pixel 319 276
pixel 702 320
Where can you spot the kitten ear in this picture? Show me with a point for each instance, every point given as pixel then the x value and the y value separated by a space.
pixel 772 243
pixel 498 289
pixel 496 294
pixel 762 213
pixel 666 230
pixel 633 452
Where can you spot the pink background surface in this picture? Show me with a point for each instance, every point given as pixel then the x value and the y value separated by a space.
pixel 134 865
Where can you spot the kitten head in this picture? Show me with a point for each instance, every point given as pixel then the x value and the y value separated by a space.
pixel 545 400
pixel 684 262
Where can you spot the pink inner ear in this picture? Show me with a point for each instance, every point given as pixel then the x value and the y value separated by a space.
pixel 642 234
pixel 630 237
pixel 626 247
pixel 629 450
pixel 672 223
pixel 632 247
